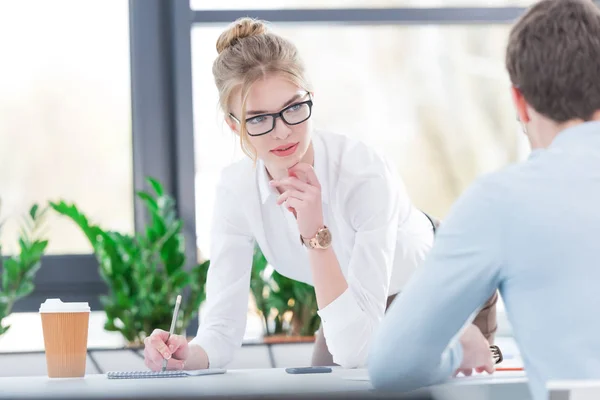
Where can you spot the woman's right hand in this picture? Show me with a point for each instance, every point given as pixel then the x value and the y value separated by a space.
pixel 157 348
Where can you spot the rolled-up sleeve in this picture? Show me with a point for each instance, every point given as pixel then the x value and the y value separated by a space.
pixel 223 322
pixel 372 208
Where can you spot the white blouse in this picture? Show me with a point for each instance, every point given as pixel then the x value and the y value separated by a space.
pixel 379 239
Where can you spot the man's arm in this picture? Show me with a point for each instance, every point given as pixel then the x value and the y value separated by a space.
pixel 417 343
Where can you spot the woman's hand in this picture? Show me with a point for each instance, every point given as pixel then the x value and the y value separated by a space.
pixel 301 194
pixel 157 347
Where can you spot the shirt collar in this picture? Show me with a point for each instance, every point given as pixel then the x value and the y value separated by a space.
pixel 320 167
pixel 263 182
pixel 579 135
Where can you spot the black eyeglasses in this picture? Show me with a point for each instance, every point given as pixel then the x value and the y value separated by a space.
pixel 262 124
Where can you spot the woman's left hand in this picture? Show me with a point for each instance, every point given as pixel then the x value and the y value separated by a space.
pixel 303 198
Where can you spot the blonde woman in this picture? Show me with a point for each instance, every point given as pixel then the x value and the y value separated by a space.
pixel 324 209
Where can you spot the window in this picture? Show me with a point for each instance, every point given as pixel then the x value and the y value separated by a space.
pixel 282 4
pixel 25 333
pixel 443 126
pixel 65 115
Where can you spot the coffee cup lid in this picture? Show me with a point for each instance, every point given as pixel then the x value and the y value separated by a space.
pixel 56 305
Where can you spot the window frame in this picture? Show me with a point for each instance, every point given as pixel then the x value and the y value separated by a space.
pixel 162 136
pixel 162 113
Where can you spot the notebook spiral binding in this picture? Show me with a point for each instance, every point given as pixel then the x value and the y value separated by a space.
pixel 145 374
pixel 163 374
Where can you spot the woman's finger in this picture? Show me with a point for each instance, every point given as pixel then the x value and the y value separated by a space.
pixel 291 182
pixel 157 342
pixel 175 364
pixel 290 193
pixel 178 346
pixel 293 203
pixel 309 173
pixel 154 355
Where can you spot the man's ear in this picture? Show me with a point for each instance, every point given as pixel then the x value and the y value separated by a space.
pixel 520 104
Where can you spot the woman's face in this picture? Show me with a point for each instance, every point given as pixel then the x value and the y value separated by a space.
pixel 286 143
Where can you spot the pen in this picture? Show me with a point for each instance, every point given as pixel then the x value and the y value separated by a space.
pixel 173 322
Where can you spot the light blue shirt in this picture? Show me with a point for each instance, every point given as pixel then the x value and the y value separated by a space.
pixel 532 231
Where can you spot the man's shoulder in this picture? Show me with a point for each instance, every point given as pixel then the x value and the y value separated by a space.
pixel 510 179
pixel 501 192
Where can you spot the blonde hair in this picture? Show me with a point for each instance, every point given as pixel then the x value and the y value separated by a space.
pixel 249 52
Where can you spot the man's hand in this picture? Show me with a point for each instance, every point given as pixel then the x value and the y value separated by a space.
pixel 476 353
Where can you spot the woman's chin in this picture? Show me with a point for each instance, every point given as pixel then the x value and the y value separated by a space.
pixel 284 162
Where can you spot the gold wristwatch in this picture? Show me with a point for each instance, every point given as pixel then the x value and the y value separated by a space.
pixel 322 239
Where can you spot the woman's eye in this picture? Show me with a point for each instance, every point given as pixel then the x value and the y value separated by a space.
pixel 256 120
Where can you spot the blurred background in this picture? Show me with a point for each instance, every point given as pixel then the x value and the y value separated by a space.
pixel 98 95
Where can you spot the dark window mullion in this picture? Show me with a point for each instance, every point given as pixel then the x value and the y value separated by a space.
pixel 370 16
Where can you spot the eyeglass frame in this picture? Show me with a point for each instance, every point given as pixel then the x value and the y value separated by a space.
pixel 276 115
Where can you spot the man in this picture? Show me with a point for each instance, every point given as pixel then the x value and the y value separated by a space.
pixel 532 230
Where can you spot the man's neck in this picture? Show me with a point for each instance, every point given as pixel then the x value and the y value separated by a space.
pixel 554 129
pixel 574 122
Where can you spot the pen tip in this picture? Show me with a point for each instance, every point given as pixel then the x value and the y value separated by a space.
pixel 179 298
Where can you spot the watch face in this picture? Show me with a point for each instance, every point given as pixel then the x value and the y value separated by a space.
pixel 324 237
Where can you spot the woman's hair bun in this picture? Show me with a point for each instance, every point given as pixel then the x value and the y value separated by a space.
pixel 241 28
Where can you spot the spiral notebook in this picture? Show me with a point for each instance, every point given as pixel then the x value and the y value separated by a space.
pixel 162 374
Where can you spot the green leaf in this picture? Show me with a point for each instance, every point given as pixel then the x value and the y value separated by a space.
pixel 148 201
pixel 3 329
pixel 25 289
pixel 158 188
pixel 5 281
pixel 22 245
pixel 11 273
pixel 33 211
pixel 109 325
pixel 72 212
pixel 38 248
pixel 179 280
pixel 32 270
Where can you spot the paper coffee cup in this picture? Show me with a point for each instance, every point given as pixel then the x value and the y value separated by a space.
pixel 65 328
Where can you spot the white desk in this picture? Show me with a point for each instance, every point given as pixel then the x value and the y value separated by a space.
pixel 574 390
pixel 233 384
pixel 247 384
pixel 500 386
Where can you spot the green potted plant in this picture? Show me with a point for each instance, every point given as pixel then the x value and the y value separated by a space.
pixel 145 271
pixel 19 270
pixel 289 306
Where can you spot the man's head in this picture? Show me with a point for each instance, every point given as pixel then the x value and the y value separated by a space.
pixel 553 59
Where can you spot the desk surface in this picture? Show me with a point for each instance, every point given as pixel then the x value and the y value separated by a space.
pixel 234 383
pixel 246 384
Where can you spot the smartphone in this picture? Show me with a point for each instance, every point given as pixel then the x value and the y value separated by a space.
pixel 308 370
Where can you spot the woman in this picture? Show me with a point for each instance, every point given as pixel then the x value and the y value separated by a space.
pixel 324 209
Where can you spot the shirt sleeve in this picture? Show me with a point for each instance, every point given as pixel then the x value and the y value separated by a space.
pixel 372 209
pixel 221 330
pixel 417 343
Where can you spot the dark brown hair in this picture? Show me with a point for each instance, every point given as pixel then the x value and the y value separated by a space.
pixel 553 57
